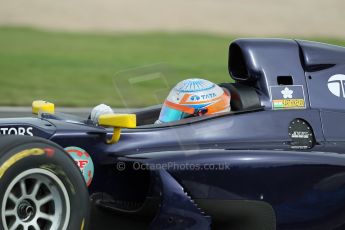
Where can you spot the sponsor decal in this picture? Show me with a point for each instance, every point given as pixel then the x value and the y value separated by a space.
pixel 17 157
pixel 83 161
pixel 287 97
pixel 50 152
pixel 287 93
pixel 336 85
pixel 194 98
pixel 16 131
pixel 208 96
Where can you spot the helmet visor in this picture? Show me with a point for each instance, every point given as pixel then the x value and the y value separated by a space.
pixel 169 114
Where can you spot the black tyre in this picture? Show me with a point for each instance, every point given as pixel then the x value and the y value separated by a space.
pixel 40 186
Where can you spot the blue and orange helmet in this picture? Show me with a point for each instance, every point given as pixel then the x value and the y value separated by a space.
pixel 194 97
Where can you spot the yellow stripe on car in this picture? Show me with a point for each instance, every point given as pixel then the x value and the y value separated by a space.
pixel 82 225
pixel 17 157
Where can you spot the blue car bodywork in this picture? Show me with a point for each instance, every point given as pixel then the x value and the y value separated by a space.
pixel 276 161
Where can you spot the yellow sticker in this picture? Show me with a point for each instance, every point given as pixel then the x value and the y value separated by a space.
pixel 18 156
pixel 288 103
pixel 287 97
pixel 293 103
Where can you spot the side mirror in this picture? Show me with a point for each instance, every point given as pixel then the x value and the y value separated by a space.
pixel 42 106
pixel 117 121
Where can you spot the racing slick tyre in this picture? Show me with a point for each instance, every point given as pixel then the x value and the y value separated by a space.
pixel 41 187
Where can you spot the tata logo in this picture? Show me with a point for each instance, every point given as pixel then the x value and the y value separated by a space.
pixel 194 98
pixel 208 96
pixel 336 85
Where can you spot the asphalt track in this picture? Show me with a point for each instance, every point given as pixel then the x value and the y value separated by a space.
pixel 105 220
pixel 100 219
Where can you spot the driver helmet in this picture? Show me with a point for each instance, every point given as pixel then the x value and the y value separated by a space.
pixel 194 97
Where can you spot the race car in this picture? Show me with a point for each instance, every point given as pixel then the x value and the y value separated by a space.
pixel 274 162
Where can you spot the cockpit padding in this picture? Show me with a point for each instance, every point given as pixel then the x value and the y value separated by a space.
pixel 243 97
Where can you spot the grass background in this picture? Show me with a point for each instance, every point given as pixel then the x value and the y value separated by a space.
pixel 84 69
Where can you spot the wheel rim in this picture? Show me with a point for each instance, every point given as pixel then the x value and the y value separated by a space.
pixel 36 199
